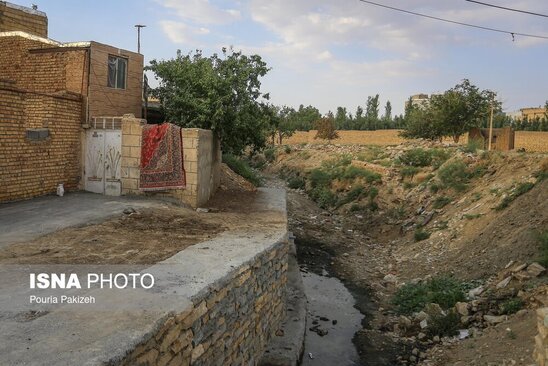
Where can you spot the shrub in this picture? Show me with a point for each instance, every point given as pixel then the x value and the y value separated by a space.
pixel 270 154
pixel 434 188
pixel 543 241
pixel 421 234
pixel 471 216
pixel 319 178
pixel 416 157
pixel 511 306
pixel 443 290
pixel 522 188
pixel 439 156
pixel 353 172
pixel 409 171
pixel 441 201
pixel 473 145
pixel 296 183
pixel 287 149
pixel 323 197
pixel 354 194
pixel 454 174
pixel 242 168
pixel 444 325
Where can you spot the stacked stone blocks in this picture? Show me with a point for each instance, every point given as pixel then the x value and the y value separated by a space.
pixel 231 324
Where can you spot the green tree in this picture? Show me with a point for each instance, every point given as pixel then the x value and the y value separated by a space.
pixel 326 128
pixel 372 111
pixel 462 107
pixel 286 128
pixel 221 93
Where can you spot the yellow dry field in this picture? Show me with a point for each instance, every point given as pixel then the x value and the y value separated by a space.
pixel 529 140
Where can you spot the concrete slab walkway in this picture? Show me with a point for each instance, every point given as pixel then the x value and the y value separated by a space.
pixel 26 220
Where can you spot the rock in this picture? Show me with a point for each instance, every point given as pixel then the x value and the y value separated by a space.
pixel 465 319
pixel 535 269
pixel 423 324
pixel 462 308
pixel 436 339
pixel 334 322
pixel 345 254
pixel 202 210
pixel 322 332
pixel 433 310
pixel 475 292
pixel 415 351
pixel 421 316
pixel 464 333
pixel 504 283
pixel 492 319
pixel 404 322
pixel 521 313
pixel 522 276
pixel 518 267
pixel 129 211
pixel 390 278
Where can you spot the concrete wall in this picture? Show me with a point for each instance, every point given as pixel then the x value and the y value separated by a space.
pixel 228 325
pixel 202 163
pixel 19 18
pixel 30 168
pixel 541 339
pixel 105 101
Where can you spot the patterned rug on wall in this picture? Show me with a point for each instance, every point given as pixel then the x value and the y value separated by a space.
pixel 162 158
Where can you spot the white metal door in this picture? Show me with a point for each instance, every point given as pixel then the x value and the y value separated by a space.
pixel 102 162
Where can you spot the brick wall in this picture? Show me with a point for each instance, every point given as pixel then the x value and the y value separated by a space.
pixel 32 168
pixel 18 18
pixel 229 325
pixel 105 101
pixel 529 140
pixel 41 66
pixel 202 163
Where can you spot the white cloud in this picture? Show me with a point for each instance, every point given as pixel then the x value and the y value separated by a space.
pixel 201 11
pixel 179 32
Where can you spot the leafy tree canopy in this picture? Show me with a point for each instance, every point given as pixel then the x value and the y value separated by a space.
pixel 221 93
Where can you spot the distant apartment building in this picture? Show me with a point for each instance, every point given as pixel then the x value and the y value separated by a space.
pixel 533 113
pixel 418 100
pixel 49 92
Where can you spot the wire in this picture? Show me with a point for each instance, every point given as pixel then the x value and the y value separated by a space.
pixel 455 22
pixel 509 9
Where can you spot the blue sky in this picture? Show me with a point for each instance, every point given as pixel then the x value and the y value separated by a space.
pixel 331 53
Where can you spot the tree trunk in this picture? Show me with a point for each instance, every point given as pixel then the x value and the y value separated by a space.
pixel 456 138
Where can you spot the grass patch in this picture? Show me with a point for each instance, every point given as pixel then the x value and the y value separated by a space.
pixel 543 241
pixel 270 154
pixel 522 188
pixel 296 183
pixel 444 325
pixel 441 202
pixel 287 149
pixel 473 145
pixel 511 306
pixel 416 157
pixel 443 290
pixel 421 234
pixel 242 168
pixel 409 171
pixel 323 197
pixel 471 216
pixel 455 175
pixel 353 172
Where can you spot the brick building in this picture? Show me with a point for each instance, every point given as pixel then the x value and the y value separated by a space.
pixel 49 91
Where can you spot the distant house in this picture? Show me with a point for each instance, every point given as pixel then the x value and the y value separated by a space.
pixel 502 139
pixel 49 92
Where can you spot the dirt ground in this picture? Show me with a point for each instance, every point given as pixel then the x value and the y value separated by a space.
pixel 469 239
pixel 146 236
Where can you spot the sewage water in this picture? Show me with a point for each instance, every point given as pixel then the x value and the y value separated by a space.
pixel 331 309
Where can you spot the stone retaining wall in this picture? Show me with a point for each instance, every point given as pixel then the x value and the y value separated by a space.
pixel 541 339
pixel 230 324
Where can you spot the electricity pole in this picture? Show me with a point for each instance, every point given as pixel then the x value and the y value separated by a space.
pixel 491 124
pixel 139 26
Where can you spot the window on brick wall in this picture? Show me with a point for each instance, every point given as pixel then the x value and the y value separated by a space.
pixel 117 72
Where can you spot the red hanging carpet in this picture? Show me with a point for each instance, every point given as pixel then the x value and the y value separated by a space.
pixel 162 158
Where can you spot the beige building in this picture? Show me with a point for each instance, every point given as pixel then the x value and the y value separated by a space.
pixel 418 100
pixel 533 113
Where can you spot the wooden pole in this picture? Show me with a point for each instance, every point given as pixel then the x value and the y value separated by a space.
pixel 491 126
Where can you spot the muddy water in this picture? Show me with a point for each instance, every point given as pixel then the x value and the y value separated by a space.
pixel 332 318
pixel 330 310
